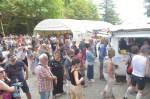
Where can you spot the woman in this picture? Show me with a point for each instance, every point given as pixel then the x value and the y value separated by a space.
pixel 3 86
pixel 134 51
pixel 109 74
pixel 76 88
pixel 90 58
pixel 36 55
pixel 58 69
pixel 139 65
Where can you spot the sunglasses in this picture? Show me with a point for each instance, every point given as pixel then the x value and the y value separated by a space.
pixel 2 71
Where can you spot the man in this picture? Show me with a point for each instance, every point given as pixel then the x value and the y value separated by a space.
pixel 82 47
pixel 62 51
pixel 45 77
pixel 102 54
pixel 15 69
pixel 68 64
pixel 82 44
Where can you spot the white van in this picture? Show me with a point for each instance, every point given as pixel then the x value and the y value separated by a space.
pixel 137 32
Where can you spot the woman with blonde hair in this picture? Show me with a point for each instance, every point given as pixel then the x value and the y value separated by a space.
pixel 108 72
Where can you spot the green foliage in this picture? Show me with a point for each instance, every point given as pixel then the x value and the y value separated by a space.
pixel 147 6
pixel 27 13
pixel 81 9
pixel 110 14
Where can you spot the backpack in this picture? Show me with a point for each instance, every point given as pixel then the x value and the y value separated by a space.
pixel 129 67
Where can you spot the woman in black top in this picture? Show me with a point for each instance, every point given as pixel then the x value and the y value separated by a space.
pixel 57 69
pixel 76 88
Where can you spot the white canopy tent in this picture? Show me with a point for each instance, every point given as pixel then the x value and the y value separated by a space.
pixel 77 27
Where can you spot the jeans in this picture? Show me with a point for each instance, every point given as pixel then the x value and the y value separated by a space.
pixel 90 72
pixel 45 95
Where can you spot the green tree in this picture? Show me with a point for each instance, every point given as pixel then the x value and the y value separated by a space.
pixel 109 14
pixel 147 6
pixel 81 9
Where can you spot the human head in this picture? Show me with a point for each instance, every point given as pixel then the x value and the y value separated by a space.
pixel 90 41
pixel 70 53
pixel 111 53
pixel 43 58
pixel 57 55
pixel 105 42
pixel 11 57
pixel 134 49
pixel 131 42
pixel 44 46
pixel 76 62
pixel 88 46
pixel 83 40
pixel 73 42
pixel 145 49
pixel 61 45
pixel 2 58
pixel 77 50
pixel 145 42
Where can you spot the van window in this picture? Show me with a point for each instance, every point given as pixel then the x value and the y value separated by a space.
pixel 125 44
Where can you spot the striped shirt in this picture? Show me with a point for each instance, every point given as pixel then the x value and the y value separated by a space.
pixel 43 84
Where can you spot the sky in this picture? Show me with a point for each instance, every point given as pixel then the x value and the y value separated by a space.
pixel 130 11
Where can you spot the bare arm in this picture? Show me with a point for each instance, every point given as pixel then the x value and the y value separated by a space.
pixel 127 60
pixel 109 68
pixel 77 80
pixel 148 68
pixel 26 70
pixel 6 87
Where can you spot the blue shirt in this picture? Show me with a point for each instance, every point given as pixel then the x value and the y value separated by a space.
pixel 102 50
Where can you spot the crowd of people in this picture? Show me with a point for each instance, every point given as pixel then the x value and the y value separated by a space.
pixel 56 60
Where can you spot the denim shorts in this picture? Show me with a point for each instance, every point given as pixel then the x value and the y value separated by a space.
pixel 45 95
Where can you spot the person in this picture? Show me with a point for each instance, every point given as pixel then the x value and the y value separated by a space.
pixel 58 69
pixel 3 86
pixel 131 43
pixel 36 55
pixel 109 74
pixel 73 45
pixel 122 44
pixel 139 64
pixel 45 77
pixel 82 47
pixel 102 54
pixel 15 69
pixel 90 58
pixel 2 61
pixel 68 64
pixel 134 51
pixel 76 89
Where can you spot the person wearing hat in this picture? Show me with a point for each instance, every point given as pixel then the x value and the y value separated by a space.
pixel 141 66
pixel 109 74
pixel 15 69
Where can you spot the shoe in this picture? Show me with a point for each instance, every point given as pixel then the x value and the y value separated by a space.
pixel 92 80
pixel 124 98
pixel 135 92
pixel 102 78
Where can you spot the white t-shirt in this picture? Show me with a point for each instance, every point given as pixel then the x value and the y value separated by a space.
pixel 139 65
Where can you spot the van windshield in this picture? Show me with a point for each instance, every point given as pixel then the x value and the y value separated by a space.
pixel 131 45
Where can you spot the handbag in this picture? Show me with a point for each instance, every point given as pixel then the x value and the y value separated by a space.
pixel 7 95
pixel 129 67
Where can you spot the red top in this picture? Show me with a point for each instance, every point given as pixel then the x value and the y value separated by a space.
pixel 80 57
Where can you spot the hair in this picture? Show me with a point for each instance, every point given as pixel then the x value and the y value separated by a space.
pixel 2 58
pixel 42 56
pixel 60 44
pixel 87 45
pixel 70 51
pixel 134 49
pixel 77 50
pixel 4 48
pixel 75 61
pixel 57 52
pixel 145 49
